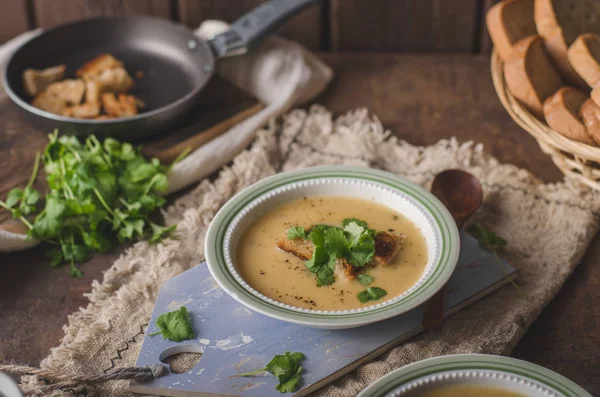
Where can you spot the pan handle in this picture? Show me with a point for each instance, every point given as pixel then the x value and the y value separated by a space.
pixel 250 28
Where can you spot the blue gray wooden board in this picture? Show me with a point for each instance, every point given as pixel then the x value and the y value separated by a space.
pixel 234 340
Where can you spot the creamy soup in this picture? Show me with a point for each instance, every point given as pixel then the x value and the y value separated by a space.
pixel 284 277
pixel 471 391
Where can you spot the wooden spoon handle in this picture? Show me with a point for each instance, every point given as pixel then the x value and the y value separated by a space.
pixel 433 317
pixel 169 155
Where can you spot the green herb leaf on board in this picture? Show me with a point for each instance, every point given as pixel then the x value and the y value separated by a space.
pixel 287 368
pixel 175 326
pixel 490 241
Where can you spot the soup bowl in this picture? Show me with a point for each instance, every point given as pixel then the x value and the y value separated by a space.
pixel 505 374
pixel 435 223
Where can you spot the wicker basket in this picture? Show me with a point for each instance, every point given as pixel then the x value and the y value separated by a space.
pixel 576 160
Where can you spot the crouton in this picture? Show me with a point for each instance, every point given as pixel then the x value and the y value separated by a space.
pixel 84 111
pixel 97 65
pixel 71 91
pixel 93 90
pixel 123 106
pixel 36 81
pixel 115 80
pixel 49 102
pixel 109 81
pixel 386 246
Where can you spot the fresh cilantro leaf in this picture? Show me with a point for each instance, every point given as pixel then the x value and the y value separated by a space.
pixel 161 184
pixel 75 272
pixel 362 251
pixel 490 241
pixel 175 326
pixel 363 296
pixel 99 192
pixel 486 238
pixel 142 172
pixel 21 202
pixel 371 294
pixel 56 257
pixel 48 224
pixel 13 197
pixel 286 367
pixel 365 279
pixel 289 385
pixel 319 257
pixel 325 274
pixel 125 231
pixel 319 263
pixel 355 231
pixel 360 223
pixel 355 243
pixel 295 232
pixel 31 196
pixel 336 242
pixel 106 183
pixel 158 232
pixel 376 293
pixel 74 252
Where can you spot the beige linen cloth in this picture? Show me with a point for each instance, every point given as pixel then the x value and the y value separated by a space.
pixel 548 228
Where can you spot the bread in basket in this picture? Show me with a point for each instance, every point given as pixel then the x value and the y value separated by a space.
pixel 546 71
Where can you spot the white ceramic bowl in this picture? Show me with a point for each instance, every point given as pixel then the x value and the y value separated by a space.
pixel 506 373
pixel 418 205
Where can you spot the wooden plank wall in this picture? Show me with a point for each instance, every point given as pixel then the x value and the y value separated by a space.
pixel 335 25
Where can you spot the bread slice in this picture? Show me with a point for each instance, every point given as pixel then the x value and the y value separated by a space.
pixel 590 113
pixel 595 95
pixel 584 56
pixel 560 22
pixel 529 74
pixel 508 22
pixel 36 81
pixel 562 114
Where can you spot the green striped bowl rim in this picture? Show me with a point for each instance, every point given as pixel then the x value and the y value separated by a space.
pixel 542 380
pixel 220 263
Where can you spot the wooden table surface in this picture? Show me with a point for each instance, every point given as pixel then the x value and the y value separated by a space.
pixel 422 99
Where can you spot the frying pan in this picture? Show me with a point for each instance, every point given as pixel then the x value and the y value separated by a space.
pixel 174 63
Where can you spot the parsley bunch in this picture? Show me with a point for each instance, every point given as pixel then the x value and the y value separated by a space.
pixel 286 367
pixel 355 242
pixel 99 193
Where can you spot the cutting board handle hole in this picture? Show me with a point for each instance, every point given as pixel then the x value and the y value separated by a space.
pixel 182 359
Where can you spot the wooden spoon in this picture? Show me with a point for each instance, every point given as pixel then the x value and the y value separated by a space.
pixel 461 193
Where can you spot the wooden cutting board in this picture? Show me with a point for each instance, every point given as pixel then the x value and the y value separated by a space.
pixel 234 339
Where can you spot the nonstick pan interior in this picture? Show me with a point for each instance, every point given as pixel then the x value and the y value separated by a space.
pixel 173 64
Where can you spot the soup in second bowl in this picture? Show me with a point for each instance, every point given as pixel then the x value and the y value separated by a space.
pixel 471 391
pixel 331 253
